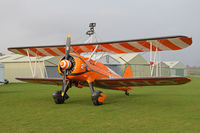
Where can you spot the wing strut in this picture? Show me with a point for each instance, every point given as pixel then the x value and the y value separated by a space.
pixel 34 69
pixel 30 63
pixel 154 59
pixel 93 52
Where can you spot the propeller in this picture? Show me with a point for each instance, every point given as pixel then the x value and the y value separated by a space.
pixel 66 64
pixel 67 48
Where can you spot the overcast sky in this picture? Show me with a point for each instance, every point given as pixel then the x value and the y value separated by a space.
pixel 44 22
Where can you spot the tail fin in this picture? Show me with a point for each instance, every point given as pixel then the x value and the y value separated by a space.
pixel 128 72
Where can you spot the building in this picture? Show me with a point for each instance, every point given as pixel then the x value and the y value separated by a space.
pixel 20 66
pixel 139 65
pixel 112 63
pixel 12 66
pixel 107 60
pixel 51 65
pixel 177 68
pixel 161 69
pixel 118 63
pixel 1 73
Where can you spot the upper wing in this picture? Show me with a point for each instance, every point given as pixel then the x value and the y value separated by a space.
pixel 140 81
pixel 126 46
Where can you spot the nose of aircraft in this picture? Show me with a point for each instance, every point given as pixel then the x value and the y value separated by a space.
pixel 65 64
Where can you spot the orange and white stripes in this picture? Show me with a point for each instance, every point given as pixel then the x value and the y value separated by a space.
pixel 162 44
pixel 65 64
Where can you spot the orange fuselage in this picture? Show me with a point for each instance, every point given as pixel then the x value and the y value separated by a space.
pixel 88 71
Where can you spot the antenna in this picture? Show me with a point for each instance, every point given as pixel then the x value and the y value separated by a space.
pixel 91 31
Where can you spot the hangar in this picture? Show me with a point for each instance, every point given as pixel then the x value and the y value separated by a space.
pixel 161 69
pixel 14 65
pixel 139 65
pixel 111 62
pixel 1 73
pixel 118 63
pixel 20 66
pixel 107 60
pixel 177 68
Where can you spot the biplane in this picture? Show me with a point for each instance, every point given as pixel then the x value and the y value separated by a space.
pixel 79 71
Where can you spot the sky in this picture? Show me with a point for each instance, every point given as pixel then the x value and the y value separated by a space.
pixel 47 22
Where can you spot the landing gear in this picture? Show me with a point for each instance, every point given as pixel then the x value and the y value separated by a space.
pixel 97 96
pixel 60 96
pixel 126 93
pixel 58 99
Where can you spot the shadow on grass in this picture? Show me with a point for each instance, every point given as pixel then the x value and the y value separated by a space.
pixel 112 98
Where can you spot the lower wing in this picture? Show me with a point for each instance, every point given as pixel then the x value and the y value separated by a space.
pixel 140 81
pixel 118 82
pixel 51 81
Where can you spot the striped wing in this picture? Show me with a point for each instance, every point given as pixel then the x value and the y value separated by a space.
pixel 50 81
pixel 126 46
pixel 140 81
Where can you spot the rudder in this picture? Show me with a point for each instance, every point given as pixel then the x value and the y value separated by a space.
pixel 127 74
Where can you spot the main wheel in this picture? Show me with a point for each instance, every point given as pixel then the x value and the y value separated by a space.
pixel 58 99
pixel 6 81
pixel 98 98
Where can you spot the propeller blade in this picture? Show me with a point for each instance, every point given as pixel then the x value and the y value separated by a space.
pixel 67 50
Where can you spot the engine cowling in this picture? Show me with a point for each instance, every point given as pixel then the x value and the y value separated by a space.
pixel 66 65
pixel 75 65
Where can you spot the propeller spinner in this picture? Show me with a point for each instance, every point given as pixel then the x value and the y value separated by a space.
pixel 65 64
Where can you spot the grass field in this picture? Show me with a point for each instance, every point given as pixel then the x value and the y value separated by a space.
pixel 171 109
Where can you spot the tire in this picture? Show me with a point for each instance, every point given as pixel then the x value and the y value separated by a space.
pixel 6 81
pixel 58 99
pixel 98 98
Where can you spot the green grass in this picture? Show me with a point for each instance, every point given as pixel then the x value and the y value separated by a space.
pixel 170 109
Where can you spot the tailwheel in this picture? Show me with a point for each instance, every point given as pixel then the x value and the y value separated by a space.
pixel 58 98
pixel 98 98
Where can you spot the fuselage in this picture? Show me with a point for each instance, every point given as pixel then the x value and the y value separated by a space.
pixel 88 70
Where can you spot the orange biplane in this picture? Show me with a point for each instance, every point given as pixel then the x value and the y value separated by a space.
pixel 81 71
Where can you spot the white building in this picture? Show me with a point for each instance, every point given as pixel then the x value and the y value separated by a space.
pixel 118 63
pixel 20 66
pixel 177 68
pixel 1 73
pixel 139 65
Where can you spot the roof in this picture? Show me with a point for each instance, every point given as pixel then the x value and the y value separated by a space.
pixel 20 58
pixel 174 64
pixel 123 58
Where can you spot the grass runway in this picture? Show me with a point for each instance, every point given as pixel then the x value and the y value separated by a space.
pixel 29 108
